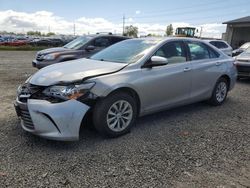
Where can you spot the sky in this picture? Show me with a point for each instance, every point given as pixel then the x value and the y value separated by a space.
pixel 93 16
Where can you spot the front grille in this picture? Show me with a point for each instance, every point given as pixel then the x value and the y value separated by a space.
pixel 27 91
pixel 27 121
pixel 39 57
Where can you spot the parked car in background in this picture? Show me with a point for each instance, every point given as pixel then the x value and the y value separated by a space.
pixel 241 49
pixel 222 45
pixel 84 46
pixel 47 42
pixel 131 78
pixel 243 64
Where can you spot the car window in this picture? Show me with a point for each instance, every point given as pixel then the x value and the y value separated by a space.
pixel 101 42
pixel 198 51
pixel 116 39
pixel 78 42
pixel 173 51
pixel 127 51
pixel 245 46
pixel 219 44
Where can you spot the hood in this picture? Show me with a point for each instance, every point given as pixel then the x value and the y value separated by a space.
pixel 53 50
pixel 244 56
pixel 72 71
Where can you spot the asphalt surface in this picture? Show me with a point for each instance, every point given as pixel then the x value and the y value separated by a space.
pixel 192 146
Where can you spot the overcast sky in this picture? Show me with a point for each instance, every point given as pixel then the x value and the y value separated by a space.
pixel 94 16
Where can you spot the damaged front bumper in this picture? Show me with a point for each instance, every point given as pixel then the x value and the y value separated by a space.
pixel 55 121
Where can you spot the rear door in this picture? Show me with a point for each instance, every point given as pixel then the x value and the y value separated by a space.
pixel 207 67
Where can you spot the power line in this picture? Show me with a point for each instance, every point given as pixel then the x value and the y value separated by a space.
pixel 184 13
pixel 178 9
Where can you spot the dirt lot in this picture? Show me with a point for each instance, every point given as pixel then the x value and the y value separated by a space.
pixel 191 146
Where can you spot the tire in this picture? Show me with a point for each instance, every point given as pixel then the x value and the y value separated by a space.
pixel 220 91
pixel 107 117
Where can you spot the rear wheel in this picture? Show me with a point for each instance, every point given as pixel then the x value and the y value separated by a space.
pixel 220 91
pixel 115 115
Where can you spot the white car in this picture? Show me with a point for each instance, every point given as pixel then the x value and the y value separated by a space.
pixel 222 45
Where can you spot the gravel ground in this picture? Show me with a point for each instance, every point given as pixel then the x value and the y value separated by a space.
pixel 191 146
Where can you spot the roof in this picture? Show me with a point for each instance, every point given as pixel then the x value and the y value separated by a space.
pixel 239 20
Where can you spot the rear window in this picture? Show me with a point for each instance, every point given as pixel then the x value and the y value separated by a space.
pixel 219 44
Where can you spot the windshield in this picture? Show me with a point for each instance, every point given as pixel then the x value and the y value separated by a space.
pixel 245 46
pixel 78 42
pixel 248 50
pixel 128 51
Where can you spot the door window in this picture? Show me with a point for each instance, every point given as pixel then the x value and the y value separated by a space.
pixel 173 51
pixel 116 39
pixel 101 42
pixel 198 51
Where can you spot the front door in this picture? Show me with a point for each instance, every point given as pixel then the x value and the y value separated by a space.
pixel 170 84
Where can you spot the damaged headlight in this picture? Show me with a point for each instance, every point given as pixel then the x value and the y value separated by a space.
pixel 68 92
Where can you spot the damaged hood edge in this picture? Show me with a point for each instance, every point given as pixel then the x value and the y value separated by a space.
pixel 74 71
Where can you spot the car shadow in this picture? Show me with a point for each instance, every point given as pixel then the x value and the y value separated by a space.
pixel 244 80
pixel 89 137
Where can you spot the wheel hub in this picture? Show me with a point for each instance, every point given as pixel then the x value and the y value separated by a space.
pixel 119 115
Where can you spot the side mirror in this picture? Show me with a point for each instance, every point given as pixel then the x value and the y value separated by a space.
pixel 156 61
pixel 89 48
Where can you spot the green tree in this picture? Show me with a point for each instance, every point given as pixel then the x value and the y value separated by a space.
pixel 36 33
pixel 131 31
pixel 169 30
pixel 50 34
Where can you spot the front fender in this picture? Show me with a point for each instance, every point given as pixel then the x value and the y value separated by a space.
pixel 110 89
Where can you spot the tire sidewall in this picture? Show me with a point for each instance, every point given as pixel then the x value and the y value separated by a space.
pixel 214 100
pixel 101 109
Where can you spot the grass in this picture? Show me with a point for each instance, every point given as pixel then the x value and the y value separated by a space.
pixel 22 48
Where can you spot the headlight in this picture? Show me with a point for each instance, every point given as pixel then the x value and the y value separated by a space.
pixel 50 56
pixel 68 92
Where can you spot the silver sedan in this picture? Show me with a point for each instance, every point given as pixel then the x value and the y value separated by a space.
pixel 129 79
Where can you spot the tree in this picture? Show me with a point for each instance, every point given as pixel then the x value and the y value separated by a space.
pixel 50 34
pixel 131 31
pixel 36 33
pixel 153 35
pixel 169 30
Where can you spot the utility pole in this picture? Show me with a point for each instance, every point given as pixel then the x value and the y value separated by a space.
pixel 74 29
pixel 201 32
pixel 123 27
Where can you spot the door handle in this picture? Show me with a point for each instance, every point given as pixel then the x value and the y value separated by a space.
pixel 218 63
pixel 187 69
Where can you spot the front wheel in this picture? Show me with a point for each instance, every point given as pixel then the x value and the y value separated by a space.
pixel 114 115
pixel 220 91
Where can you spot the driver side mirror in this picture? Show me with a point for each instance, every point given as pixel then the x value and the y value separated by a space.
pixel 156 61
pixel 89 48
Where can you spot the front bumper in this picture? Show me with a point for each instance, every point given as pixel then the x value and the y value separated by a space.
pixel 243 69
pixel 55 121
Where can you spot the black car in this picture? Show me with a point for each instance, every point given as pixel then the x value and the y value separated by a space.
pixel 83 46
